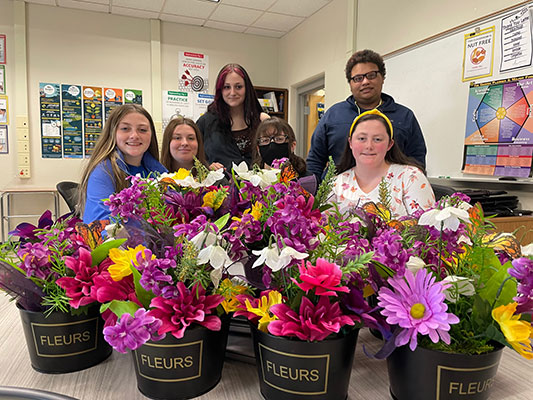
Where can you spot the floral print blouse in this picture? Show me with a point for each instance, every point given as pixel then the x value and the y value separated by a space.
pixel 408 186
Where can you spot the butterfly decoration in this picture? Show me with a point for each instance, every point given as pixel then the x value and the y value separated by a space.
pixel 383 213
pixel 287 174
pixel 500 241
pixel 92 233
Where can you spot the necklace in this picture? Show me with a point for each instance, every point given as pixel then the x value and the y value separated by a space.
pixel 375 108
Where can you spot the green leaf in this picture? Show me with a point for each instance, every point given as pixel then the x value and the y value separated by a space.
pixel 120 307
pixel 143 295
pixel 383 270
pixel 222 221
pixel 100 253
pixel 481 311
pixel 499 290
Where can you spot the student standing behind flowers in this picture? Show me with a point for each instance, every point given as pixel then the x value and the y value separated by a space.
pixel 372 165
pixel 231 119
pixel 127 146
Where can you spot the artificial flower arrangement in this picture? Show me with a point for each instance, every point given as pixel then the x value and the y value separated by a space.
pixel 177 280
pixel 52 266
pixel 447 282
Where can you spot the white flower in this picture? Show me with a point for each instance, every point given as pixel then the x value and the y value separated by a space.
pixel 275 260
pixel 414 264
pixel 204 239
pixel 262 178
pixel 214 255
pixel 213 177
pixel 527 251
pixel 459 286
pixel 448 218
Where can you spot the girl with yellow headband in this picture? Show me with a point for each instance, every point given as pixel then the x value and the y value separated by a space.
pixel 370 157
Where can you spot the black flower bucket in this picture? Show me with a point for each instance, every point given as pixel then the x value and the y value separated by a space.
pixel 428 374
pixel 61 342
pixel 291 368
pixel 182 368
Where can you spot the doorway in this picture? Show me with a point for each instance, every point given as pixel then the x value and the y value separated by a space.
pixel 311 98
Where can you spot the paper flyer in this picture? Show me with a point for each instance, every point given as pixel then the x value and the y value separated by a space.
pixel 112 99
pixel 92 115
pixel 193 72
pixel 516 42
pixel 4 145
pixel 4 110
pixel 2 79
pixel 133 96
pixel 176 104
pixel 50 115
pixel 72 121
pixel 201 101
pixel 478 54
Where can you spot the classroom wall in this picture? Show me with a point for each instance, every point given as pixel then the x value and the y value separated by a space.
pixel 388 25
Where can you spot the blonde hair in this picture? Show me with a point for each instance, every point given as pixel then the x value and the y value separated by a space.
pixel 166 158
pixel 105 149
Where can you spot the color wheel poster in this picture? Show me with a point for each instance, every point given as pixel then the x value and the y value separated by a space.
pixel 499 128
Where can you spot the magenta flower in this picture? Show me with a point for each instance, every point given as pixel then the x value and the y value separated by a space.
pixel 522 270
pixel 189 307
pixel 36 260
pixel 78 288
pixel 132 332
pixel 417 305
pixel 313 323
pixel 324 277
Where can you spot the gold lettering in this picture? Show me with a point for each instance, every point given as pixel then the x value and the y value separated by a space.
pixel 461 389
pixel 295 377
pixel 86 336
pixel 283 371
pixel 189 361
pixel 144 359
pixel 270 365
pixel 453 386
pixel 472 387
pixel 44 340
pixel 158 361
pixel 76 337
pixel 303 374
pixel 314 375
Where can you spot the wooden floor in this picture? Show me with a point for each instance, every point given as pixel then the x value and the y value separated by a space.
pixel 115 377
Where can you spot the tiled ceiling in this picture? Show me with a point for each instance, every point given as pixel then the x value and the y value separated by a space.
pixel 273 18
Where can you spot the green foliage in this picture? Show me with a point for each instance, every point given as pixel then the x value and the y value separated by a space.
pixel 326 186
pixel 101 252
pixel 119 307
pixel 143 295
pixel 384 193
pixel 201 170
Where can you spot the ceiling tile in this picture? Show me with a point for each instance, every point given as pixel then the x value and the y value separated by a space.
pixel 83 5
pixel 235 15
pixel 277 22
pixel 47 2
pixel 255 4
pixel 264 32
pixel 152 5
pixel 225 27
pixel 189 8
pixel 181 20
pixel 130 12
pixel 301 8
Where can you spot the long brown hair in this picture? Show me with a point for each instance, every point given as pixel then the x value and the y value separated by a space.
pixel 393 156
pixel 277 126
pixel 166 157
pixel 105 149
pixel 252 108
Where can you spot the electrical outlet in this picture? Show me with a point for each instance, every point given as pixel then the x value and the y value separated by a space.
pixel 24 172
pixel 23 146
pixel 24 159
pixel 22 121
pixel 23 134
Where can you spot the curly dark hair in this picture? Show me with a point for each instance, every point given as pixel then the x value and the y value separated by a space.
pixel 364 56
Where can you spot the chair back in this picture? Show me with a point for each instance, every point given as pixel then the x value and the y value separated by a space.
pixel 69 191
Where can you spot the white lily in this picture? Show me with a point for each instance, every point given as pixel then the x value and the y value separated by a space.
pixel 213 177
pixel 447 218
pixel 414 264
pixel 276 260
pixel 214 255
pixel 204 239
pixel 460 286
pixel 288 254
pixel 262 178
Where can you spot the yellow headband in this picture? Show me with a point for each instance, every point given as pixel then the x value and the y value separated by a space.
pixel 375 111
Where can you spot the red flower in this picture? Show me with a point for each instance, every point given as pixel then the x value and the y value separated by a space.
pixel 190 306
pixel 324 277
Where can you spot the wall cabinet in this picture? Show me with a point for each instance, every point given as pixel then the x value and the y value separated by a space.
pixel 281 97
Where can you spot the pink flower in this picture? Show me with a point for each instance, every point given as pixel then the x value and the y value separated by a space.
pixel 313 323
pixel 324 277
pixel 190 306
pixel 78 288
pixel 106 288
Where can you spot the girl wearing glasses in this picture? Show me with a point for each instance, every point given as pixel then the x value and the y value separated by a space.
pixel 275 139
pixel 231 119
pixel 372 161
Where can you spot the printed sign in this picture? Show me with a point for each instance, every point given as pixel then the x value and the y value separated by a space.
pixel 50 112
pixel 92 115
pixel 112 99
pixel 133 96
pixel 193 72
pixel 478 54
pixel 72 121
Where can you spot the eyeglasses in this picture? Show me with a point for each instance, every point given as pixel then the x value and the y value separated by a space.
pixel 369 75
pixel 266 140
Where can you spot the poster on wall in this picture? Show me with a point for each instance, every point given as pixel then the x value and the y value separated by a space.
pixel 2 79
pixel 201 101
pixel 133 96
pixel 112 99
pixel 50 112
pixel 4 110
pixel 2 49
pixel 499 128
pixel 193 72
pixel 72 121
pixel 478 54
pixel 4 146
pixel 176 104
pixel 516 40
pixel 92 116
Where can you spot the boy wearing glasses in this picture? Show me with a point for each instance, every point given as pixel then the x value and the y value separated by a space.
pixel 365 72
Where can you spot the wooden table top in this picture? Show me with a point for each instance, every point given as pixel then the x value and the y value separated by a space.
pixel 115 377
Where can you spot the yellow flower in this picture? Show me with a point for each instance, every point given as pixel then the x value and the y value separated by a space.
pixel 257 210
pixel 263 309
pixel 181 174
pixel 518 333
pixel 122 259
pixel 229 290
pixel 213 199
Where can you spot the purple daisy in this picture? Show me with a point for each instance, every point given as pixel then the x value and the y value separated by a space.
pixel 417 305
